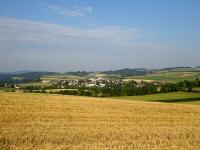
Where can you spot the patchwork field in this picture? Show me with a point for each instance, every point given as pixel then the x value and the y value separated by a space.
pixel 170 75
pixel 43 121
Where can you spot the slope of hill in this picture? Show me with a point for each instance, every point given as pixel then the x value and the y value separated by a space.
pixel 79 73
pixel 129 72
pixel 60 76
pixel 171 75
pixel 42 121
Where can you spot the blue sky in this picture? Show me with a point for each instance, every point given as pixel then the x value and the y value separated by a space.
pixel 60 35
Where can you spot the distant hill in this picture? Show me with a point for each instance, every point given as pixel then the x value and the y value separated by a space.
pixel 23 77
pixel 4 76
pixel 129 72
pixel 79 73
pixel 165 74
pixel 172 68
pixel 34 75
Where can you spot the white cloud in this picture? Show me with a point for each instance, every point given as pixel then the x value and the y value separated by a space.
pixel 37 45
pixel 73 12
pixel 24 30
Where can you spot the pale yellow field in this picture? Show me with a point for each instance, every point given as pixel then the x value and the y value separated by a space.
pixel 42 121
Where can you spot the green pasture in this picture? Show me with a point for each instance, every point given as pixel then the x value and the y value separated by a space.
pixel 173 97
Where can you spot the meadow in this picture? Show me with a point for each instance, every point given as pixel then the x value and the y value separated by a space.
pixel 173 97
pixel 196 89
pixel 44 121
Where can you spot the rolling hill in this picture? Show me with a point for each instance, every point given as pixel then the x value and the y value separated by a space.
pixel 170 75
pixel 162 75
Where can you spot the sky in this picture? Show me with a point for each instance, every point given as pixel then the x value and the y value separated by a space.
pixel 95 35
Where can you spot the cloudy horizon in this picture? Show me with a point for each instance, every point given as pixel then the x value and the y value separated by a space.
pixel 70 36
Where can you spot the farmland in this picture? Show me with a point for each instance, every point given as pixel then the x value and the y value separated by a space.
pixel 35 84
pixel 59 77
pixel 44 121
pixel 170 75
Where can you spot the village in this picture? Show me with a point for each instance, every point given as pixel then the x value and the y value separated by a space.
pixel 87 83
pixel 99 82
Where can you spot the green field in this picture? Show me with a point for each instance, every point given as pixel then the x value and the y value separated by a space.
pixel 174 97
pixel 196 89
pixel 35 84
pixel 170 75
pixel 58 77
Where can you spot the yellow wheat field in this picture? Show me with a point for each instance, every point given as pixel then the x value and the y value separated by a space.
pixel 42 121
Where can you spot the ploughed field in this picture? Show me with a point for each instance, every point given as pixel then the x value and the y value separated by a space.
pixel 44 121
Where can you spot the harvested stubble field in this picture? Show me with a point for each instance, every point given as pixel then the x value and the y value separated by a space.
pixel 44 121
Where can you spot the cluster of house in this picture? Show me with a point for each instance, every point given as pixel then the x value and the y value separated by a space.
pixel 98 82
pixel 140 83
pixel 92 82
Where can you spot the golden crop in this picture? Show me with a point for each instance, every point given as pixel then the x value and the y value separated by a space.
pixel 44 121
